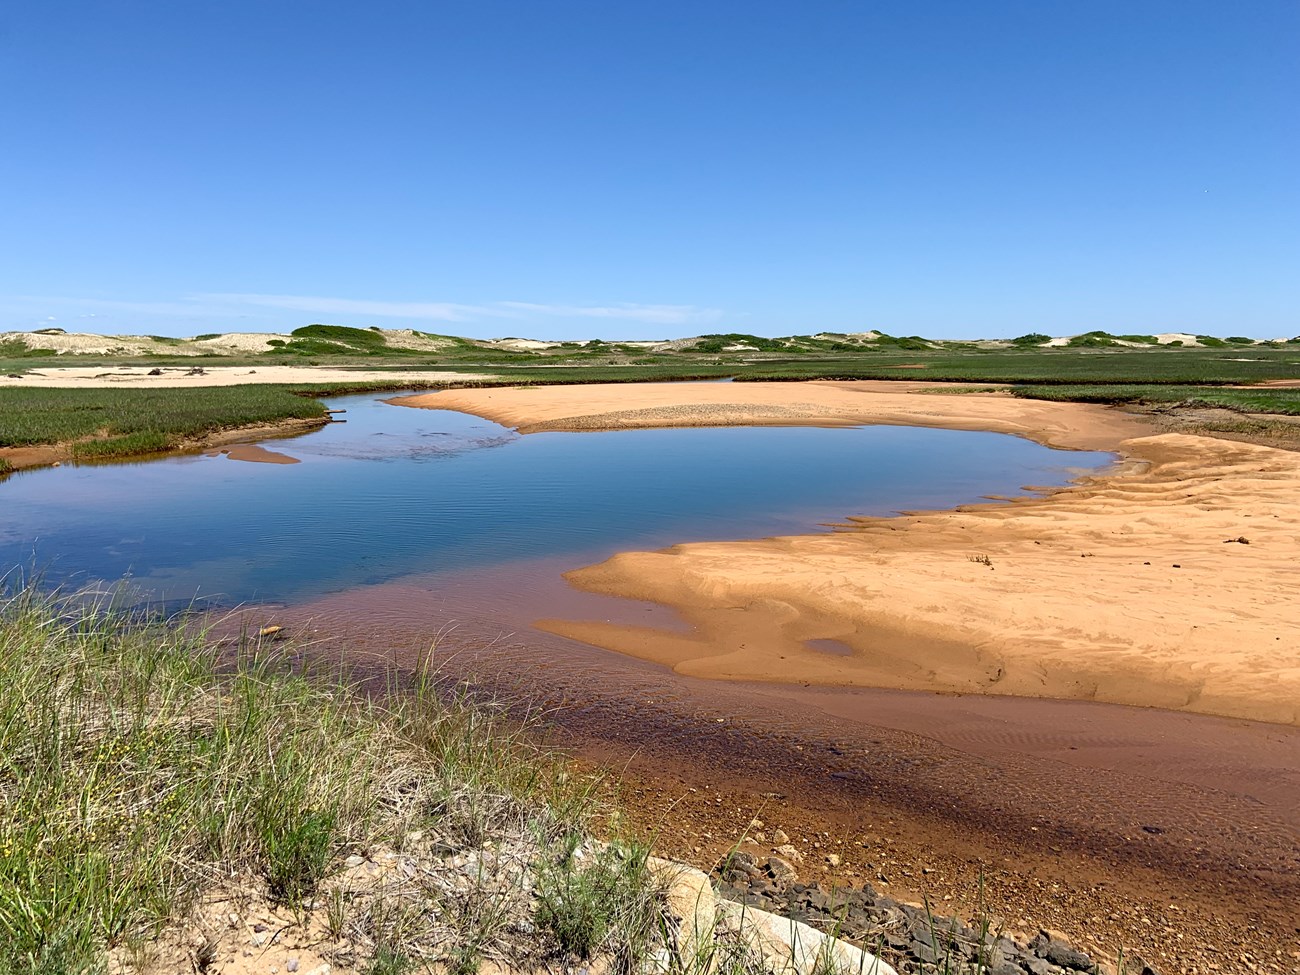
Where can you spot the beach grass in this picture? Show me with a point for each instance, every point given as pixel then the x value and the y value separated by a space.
pixel 141 761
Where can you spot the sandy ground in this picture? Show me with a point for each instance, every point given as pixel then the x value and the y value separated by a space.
pixel 1169 581
pixel 70 377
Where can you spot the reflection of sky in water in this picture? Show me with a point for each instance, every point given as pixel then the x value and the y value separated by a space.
pixel 396 491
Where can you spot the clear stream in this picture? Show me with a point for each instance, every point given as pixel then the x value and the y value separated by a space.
pixel 397 491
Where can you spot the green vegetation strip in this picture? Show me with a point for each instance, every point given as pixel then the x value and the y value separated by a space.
pixel 141 420
pixel 1070 366
pixel 140 762
pixel 1282 400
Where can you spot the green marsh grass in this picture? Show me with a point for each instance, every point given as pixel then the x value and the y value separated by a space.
pixel 1285 400
pixel 133 444
pixel 41 415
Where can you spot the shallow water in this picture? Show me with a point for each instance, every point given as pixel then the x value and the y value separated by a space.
pixel 397 491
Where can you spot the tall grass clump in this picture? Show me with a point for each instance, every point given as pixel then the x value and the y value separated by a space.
pixel 604 900
pixel 142 763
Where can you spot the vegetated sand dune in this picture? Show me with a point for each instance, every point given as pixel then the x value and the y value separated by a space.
pixel 1168 581
pixel 226 343
pixel 71 377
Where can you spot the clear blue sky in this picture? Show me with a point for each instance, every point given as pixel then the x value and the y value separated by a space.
pixel 619 168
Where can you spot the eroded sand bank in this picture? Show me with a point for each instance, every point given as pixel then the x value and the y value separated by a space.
pixel 1171 581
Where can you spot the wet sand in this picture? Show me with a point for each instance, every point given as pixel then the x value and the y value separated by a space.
pixel 253 453
pixel 1133 825
pixel 1167 582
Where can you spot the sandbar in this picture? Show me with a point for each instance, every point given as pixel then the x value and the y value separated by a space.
pixel 1169 580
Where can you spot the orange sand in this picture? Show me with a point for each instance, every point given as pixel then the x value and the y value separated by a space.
pixel 1131 586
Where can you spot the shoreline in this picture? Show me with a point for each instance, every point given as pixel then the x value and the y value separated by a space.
pixel 1041 808
pixel 1131 587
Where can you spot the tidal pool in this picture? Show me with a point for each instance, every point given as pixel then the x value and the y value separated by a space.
pixel 397 491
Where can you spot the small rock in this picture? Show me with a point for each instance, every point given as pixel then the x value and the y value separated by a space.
pixel 291 965
pixel 924 952
pixel 782 871
pixel 354 861
pixel 1063 955
pixel 789 852
pixel 833 859
pixel 780 837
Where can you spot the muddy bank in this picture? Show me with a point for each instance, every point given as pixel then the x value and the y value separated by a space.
pixel 1125 827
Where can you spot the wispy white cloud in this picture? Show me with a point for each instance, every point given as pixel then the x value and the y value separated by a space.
pixel 441 311
pixel 217 306
pixel 651 314
pixel 446 311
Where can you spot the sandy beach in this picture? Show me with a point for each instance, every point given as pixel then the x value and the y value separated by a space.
pixel 1168 581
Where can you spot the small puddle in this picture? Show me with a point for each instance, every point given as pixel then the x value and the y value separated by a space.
pixel 836 648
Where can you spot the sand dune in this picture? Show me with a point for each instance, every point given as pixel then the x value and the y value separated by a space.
pixel 71 377
pixel 1170 581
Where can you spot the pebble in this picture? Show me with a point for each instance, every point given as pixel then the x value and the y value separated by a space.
pixel 788 852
